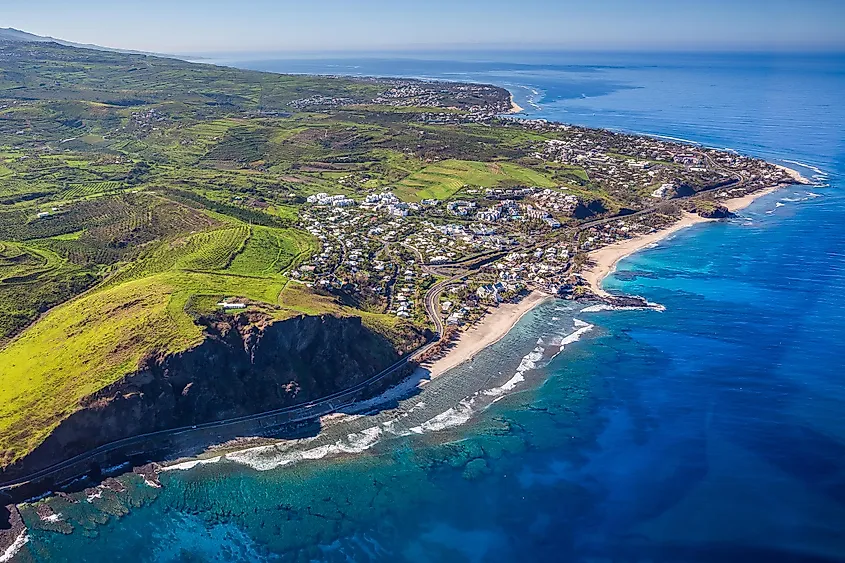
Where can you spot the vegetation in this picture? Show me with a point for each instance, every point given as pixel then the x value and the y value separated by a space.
pixel 444 179
pixel 137 192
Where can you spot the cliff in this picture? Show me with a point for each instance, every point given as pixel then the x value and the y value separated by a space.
pixel 247 364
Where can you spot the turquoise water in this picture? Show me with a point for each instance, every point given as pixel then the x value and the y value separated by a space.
pixel 713 431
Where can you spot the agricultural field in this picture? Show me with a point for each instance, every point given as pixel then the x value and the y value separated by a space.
pixel 444 179
pixel 269 252
pixel 136 192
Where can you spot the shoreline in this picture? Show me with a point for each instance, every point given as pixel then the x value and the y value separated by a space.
pixel 515 107
pixel 494 326
pixel 606 259
pixel 499 322
pixel 799 179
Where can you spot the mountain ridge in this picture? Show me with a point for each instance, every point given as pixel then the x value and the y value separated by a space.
pixel 20 36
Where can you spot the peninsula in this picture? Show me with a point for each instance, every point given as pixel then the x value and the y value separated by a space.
pixel 186 247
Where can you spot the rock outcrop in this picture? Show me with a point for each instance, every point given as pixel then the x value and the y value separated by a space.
pixel 246 365
pixel 715 212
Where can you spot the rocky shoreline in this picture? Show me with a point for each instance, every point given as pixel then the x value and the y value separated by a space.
pixel 13 532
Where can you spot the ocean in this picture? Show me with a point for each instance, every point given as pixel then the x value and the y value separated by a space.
pixel 711 431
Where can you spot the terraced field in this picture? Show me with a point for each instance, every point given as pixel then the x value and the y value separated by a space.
pixel 79 191
pixel 137 194
pixel 21 264
pixel 271 252
pixel 214 250
pixel 32 280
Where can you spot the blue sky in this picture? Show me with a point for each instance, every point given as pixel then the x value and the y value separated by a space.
pixel 195 26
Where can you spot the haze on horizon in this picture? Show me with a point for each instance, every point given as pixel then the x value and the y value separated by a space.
pixel 203 26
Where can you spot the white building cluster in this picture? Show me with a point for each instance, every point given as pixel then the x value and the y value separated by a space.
pixel 332 200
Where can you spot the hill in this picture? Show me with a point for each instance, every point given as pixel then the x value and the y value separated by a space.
pixel 12 34
pixel 157 214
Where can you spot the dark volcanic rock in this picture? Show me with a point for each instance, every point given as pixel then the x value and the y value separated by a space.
pixel 718 212
pixel 589 209
pixel 246 365
pixel 11 527
pixel 683 190
pixel 626 301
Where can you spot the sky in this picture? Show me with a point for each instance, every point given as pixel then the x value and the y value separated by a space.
pixel 202 26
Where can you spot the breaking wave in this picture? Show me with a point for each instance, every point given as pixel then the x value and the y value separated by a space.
pixel 649 306
pixel 582 328
pixel 265 458
pixel 819 173
pixel 455 416
pixel 185 465
pixel 12 550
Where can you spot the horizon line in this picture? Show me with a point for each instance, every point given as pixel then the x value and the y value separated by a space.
pixel 427 49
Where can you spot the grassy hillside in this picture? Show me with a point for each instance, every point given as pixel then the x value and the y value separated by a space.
pixel 444 179
pixel 136 192
pixel 147 308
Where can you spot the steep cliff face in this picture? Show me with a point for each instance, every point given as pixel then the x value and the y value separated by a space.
pixel 246 365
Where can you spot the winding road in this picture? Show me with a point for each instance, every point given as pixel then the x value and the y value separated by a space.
pixel 346 398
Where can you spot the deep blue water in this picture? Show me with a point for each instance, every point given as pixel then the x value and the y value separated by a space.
pixel 714 431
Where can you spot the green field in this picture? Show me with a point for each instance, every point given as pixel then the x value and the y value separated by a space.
pixel 136 192
pixel 270 252
pixel 444 179
pixel 92 341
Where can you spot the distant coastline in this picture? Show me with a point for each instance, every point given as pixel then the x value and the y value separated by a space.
pixel 515 107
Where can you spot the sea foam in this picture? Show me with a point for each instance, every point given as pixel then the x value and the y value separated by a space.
pixel 185 465
pixel 455 416
pixel 819 172
pixel 12 550
pixel 582 328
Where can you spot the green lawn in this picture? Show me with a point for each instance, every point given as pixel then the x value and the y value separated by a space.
pixel 444 179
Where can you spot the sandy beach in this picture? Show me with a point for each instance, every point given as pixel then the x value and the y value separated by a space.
pixel 737 203
pixel 605 259
pixel 515 107
pixel 492 328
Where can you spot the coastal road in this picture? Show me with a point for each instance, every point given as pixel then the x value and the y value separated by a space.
pixel 346 398
pixel 297 413
pixel 432 302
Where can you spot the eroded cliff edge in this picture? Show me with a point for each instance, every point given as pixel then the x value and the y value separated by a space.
pixel 247 364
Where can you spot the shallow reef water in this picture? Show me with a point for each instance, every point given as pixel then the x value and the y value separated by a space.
pixel 711 431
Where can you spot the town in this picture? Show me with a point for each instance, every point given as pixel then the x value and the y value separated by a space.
pixel 386 253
